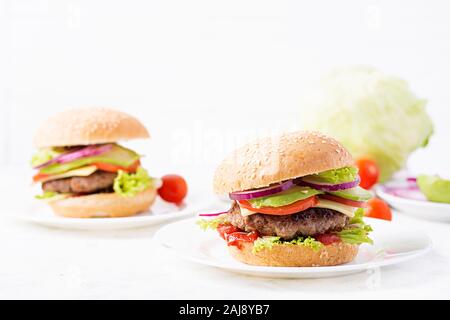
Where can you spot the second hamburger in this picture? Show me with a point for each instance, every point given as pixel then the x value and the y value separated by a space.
pixel 84 172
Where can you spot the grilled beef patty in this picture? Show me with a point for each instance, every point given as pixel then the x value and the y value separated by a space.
pixel 98 181
pixel 305 223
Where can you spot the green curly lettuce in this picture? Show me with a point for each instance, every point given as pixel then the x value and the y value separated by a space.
pixel 206 224
pixel 435 188
pixel 268 243
pixel 130 184
pixel 52 196
pixel 43 155
pixel 358 231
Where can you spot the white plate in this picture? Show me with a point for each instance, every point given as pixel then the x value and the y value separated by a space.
pixel 160 212
pixel 418 208
pixel 393 244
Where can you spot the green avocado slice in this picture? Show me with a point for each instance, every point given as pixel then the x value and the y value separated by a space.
pixel 284 198
pixel 356 194
pixel 118 155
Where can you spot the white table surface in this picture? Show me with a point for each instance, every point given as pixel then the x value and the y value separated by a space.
pixel 45 263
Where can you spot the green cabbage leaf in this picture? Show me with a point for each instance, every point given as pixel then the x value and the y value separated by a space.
pixel 372 114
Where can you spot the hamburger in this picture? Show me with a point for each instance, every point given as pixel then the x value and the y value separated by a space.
pixel 84 172
pixel 296 202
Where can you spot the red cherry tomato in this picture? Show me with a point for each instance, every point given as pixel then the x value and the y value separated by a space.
pixel 285 210
pixel 347 202
pixel 368 172
pixel 174 188
pixel 225 230
pixel 327 238
pixel 378 209
pixel 236 238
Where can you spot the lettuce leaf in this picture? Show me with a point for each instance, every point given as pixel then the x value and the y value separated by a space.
pixel 43 155
pixel 130 184
pixel 52 196
pixel 342 175
pixel 268 243
pixel 357 231
pixel 435 188
pixel 206 224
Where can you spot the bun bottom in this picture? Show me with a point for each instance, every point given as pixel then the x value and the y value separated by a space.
pixel 285 255
pixel 104 205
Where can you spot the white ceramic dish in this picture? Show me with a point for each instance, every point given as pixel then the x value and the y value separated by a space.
pixel 393 244
pixel 418 208
pixel 160 212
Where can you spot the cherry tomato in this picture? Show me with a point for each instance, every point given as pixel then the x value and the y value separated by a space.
pixel 327 238
pixel 368 172
pixel 114 168
pixel 378 209
pixel 236 238
pixel 347 202
pixel 174 188
pixel 284 210
pixel 225 230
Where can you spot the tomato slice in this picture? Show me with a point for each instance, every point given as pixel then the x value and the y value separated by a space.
pixel 284 210
pixel 236 238
pixel 39 176
pixel 347 202
pixel 327 238
pixel 225 230
pixel 114 168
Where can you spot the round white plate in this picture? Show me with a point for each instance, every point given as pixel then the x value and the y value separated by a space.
pixel 418 208
pixel 393 244
pixel 160 212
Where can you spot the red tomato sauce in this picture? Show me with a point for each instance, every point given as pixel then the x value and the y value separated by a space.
pixel 234 236
pixel 327 238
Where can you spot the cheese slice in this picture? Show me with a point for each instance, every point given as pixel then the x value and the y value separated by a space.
pixel 79 172
pixel 246 212
pixel 342 208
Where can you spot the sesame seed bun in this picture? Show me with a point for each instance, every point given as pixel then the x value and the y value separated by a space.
pixel 104 205
pixel 285 255
pixel 274 159
pixel 84 126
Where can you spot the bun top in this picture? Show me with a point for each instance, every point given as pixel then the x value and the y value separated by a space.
pixel 84 126
pixel 275 159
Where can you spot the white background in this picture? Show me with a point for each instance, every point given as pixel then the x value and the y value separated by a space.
pixel 203 76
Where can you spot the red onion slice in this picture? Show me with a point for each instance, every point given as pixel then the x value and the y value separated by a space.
pixel 264 192
pixel 406 192
pixel 89 151
pixel 86 152
pixel 212 214
pixel 329 187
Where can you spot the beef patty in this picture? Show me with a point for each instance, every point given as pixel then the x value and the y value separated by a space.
pixel 98 181
pixel 305 223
